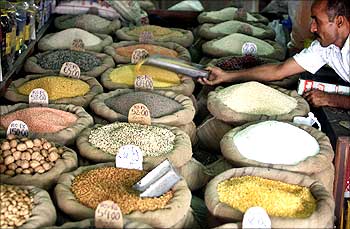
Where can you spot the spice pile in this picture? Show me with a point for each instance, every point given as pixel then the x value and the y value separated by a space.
pixel 229 27
pixel 93 187
pixel 151 49
pixel 66 37
pixel 277 198
pixel 40 119
pixel 157 31
pixel 239 63
pixel 153 140
pixel 157 104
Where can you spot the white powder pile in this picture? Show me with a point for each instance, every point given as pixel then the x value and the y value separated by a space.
pixel 227 14
pixel 256 98
pixel 65 38
pixel 276 143
pixel 229 27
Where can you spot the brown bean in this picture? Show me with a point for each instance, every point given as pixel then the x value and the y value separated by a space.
pixel 53 156
pixel 11 136
pixel 5 145
pixel 10 172
pixel 17 155
pixel 46 166
pixel 12 166
pixel 34 164
pixel 13 143
pixel 47 145
pixel 25 164
pixel 37 142
pixel 39 169
pixel 26 156
pixel 9 160
pixel 19 170
pixel 6 153
pixel 2 168
pixel 26 171
pixel 21 147
pixel 29 143
pixel 44 152
pixel 36 156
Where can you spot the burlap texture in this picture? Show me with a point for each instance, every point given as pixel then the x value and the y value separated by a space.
pixel 186 87
pixel 222 112
pixel 191 130
pixel 173 213
pixel 229 226
pixel 180 155
pixel 326 177
pixel 119 59
pixel 322 217
pixel 95 88
pixel 31 65
pixel 205 18
pixel 65 136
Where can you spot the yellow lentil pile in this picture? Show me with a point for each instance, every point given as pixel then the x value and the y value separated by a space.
pixel 16 206
pixel 161 78
pixel 151 49
pixel 93 187
pixel 157 31
pixel 40 119
pixel 56 87
pixel 277 198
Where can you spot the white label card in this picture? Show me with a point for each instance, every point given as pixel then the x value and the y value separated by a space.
pixel 108 215
pixel 143 82
pixel 139 113
pixel 139 55
pixel 38 96
pixel 249 48
pixel 146 37
pixel 70 69
pixel 256 217
pixel 78 45
pixel 129 157
pixel 19 128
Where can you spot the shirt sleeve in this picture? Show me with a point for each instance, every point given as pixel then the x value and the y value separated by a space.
pixel 311 59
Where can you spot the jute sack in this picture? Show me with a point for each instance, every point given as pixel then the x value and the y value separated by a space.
pixel 179 36
pixel 89 22
pixel 173 213
pixel 50 42
pixel 13 95
pixel 179 156
pixel 222 112
pixel 115 49
pixel 322 217
pixel 186 87
pixel 65 136
pixel 181 117
pixel 207 32
pixel 326 177
pixel 31 65
pixel 191 130
pixel 310 165
pixel 229 226
pixel 47 180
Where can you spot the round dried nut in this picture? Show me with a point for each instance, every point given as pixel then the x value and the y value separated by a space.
pixel 53 156
pixel 39 169
pixel 11 136
pixel 10 172
pixel 37 142
pixel 36 156
pixel 26 171
pixel 9 160
pixel 25 164
pixel 29 143
pixel 34 164
pixel 17 155
pixel 6 153
pixel 26 156
pixel 12 166
pixel 47 145
pixel 19 170
pixel 44 153
pixel 2 168
pixel 13 143
pixel 5 145
pixel 46 166
pixel 21 147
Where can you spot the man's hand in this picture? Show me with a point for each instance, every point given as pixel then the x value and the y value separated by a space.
pixel 317 98
pixel 216 76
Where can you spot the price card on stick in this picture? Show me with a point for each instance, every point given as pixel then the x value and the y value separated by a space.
pixel 143 83
pixel 256 217
pixel 249 48
pixel 70 69
pixel 19 128
pixel 139 113
pixel 146 37
pixel 78 45
pixel 129 157
pixel 38 97
pixel 139 55
pixel 108 215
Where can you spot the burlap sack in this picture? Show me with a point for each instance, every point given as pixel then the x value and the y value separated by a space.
pixel 322 217
pixel 47 180
pixel 206 32
pixel 95 88
pixel 179 156
pixel 186 87
pixel 47 43
pixel 211 50
pixel 31 65
pixel 185 40
pixel 326 177
pixel 191 130
pixel 89 22
pixel 182 53
pixel 181 117
pixel 229 226
pixel 65 136
pixel 172 214
pixel 222 112
pixel 310 165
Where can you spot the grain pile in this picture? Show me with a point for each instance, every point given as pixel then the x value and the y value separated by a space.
pixel 229 27
pixel 228 14
pixel 239 62
pixel 157 31
pixel 151 49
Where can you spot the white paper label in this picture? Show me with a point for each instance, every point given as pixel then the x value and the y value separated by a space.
pixel 108 215
pixel 70 69
pixel 78 45
pixel 38 96
pixel 19 128
pixel 138 55
pixel 143 82
pixel 129 157
pixel 146 37
pixel 249 48
pixel 139 113
pixel 256 217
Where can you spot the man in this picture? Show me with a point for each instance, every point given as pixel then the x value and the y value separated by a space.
pixel 330 25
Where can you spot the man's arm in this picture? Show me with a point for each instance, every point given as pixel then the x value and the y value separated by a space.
pixel 318 98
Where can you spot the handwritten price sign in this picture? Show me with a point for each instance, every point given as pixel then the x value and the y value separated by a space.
pixel 256 217
pixel 78 45
pixel 108 215
pixel 139 113
pixel 139 55
pixel 129 157
pixel 19 128
pixel 146 37
pixel 249 48
pixel 70 69
pixel 38 96
pixel 143 82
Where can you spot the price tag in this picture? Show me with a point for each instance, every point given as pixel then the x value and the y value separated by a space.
pixel 78 45
pixel 38 96
pixel 146 37
pixel 249 48
pixel 143 83
pixel 256 217
pixel 108 215
pixel 138 55
pixel 129 157
pixel 139 113
pixel 19 128
pixel 70 69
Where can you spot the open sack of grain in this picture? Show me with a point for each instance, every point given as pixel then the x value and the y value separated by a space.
pixel 60 89
pixel 50 62
pixel 58 122
pixel 159 34
pixel 78 193
pixel 38 162
pixel 124 77
pixel 88 22
pixel 291 200
pixel 122 51
pixel 34 208
pixel 64 39
pixel 230 13
pixel 252 101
